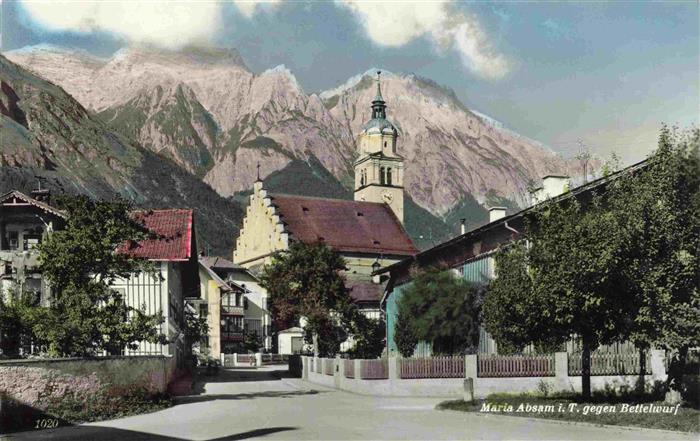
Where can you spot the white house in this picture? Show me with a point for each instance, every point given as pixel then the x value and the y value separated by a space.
pixel 173 254
pixel 251 303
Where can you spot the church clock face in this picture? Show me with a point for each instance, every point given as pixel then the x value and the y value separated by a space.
pixel 388 197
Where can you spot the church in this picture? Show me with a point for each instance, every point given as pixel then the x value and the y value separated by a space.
pixel 367 231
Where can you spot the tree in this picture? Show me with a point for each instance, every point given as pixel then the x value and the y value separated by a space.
pixel 252 341
pixel 512 312
pixel 369 336
pixel 80 262
pixel 15 313
pixel 404 336
pixel 196 328
pixel 306 282
pixel 443 309
pixel 608 267
pixel 658 208
pixel 565 278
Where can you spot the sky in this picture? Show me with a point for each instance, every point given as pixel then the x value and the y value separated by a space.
pixel 606 74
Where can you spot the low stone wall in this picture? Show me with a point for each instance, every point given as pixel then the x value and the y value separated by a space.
pixel 38 383
pixel 481 387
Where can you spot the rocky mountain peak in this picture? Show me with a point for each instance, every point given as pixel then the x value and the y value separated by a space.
pixel 218 119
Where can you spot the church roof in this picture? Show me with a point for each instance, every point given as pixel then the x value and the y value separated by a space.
pixel 350 226
pixel 379 125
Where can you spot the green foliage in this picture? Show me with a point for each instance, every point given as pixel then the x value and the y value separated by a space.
pixel 658 209
pixel 306 281
pixel 443 309
pixel 404 336
pixel 15 315
pixel 618 265
pixel 80 262
pixel 509 308
pixel 196 328
pixel 369 335
pixel 252 341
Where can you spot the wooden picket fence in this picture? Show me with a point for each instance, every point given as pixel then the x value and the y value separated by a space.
pixel 374 369
pixel 328 366
pixel 434 367
pixel 515 365
pixel 610 363
pixel 246 359
pixel 275 358
pixel 349 368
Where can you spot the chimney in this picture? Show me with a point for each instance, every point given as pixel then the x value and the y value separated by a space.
pixel 462 226
pixel 496 213
pixel 552 186
pixel 41 195
pixel 555 185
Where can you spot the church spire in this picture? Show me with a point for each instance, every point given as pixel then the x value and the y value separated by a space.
pixel 378 104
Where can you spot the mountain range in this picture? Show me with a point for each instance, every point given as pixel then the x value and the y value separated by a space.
pixel 214 119
pixel 47 137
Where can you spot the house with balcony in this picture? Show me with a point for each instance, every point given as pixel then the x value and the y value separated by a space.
pixel 236 305
pixel 25 221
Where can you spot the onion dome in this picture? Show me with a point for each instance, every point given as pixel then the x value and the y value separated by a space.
pixel 379 124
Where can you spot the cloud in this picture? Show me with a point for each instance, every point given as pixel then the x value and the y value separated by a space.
pixel 249 7
pixel 165 23
pixel 394 24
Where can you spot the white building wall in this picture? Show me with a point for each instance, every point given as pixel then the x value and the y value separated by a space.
pixel 160 291
pixel 257 314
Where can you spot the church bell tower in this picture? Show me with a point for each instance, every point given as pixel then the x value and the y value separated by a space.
pixel 378 168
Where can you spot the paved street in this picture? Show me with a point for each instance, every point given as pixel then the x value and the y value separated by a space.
pixel 255 404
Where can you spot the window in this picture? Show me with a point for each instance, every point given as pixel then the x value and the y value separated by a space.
pixel 384 143
pixel 229 303
pixel 388 176
pixel 245 303
pixel 13 239
pixel 231 326
pixel 382 175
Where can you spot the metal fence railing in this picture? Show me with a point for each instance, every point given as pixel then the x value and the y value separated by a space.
pixel 611 363
pixel 515 365
pixel 434 367
pixel 374 369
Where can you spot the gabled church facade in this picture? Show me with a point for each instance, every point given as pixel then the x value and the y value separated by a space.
pixel 367 231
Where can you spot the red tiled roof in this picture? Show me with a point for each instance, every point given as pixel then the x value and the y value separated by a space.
pixel 174 235
pixel 364 291
pixel 352 226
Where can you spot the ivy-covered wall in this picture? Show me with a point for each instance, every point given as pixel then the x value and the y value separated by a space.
pixel 78 389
